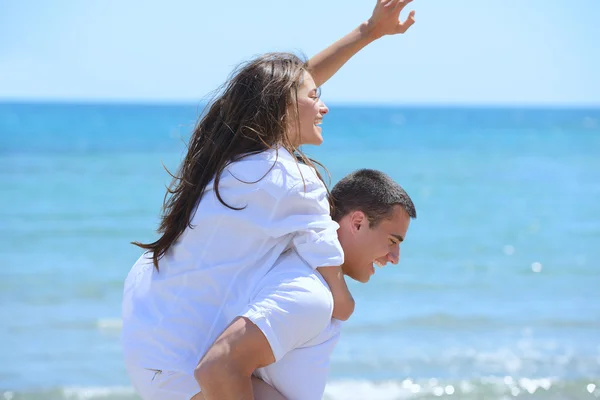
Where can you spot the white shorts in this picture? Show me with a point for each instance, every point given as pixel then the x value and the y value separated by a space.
pixel 151 384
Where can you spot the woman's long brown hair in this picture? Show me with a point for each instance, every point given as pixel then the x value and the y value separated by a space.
pixel 250 116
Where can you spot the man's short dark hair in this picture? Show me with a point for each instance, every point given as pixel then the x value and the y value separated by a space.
pixel 371 192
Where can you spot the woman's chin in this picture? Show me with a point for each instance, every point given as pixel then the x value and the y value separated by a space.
pixel 314 140
pixel 318 140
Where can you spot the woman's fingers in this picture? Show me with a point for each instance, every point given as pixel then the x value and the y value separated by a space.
pixel 403 27
pixel 401 4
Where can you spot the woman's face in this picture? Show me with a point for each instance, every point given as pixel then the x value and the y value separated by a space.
pixel 310 114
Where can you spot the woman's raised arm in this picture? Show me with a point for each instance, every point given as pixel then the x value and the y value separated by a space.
pixel 383 21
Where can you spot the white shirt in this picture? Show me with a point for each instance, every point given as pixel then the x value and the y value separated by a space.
pixel 302 373
pixel 293 309
pixel 172 316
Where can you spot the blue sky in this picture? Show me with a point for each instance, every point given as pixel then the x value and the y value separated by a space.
pixel 458 52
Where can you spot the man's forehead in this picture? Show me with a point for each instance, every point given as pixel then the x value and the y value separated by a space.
pixel 397 224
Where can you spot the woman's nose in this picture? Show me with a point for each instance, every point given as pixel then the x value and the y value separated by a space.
pixel 323 109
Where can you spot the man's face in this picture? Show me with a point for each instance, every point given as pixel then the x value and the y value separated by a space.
pixel 365 246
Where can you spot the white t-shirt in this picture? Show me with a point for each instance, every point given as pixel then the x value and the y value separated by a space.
pixel 292 306
pixel 214 271
pixel 302 373
pixel 293 309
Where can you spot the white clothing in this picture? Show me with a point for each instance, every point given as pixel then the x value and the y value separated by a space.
pixel 210 275
pixel 292 306
pixel 162 385
pixel 302 373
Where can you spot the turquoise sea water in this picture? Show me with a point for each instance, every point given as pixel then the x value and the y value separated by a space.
pixel 497 294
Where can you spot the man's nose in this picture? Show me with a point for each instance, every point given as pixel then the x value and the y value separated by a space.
pixel 394 256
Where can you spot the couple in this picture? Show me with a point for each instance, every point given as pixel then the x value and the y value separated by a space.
pixel 237 295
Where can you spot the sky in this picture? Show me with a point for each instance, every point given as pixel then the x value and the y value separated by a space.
pixel 527 52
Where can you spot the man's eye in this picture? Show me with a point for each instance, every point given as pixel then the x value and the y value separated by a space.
pixel 393 242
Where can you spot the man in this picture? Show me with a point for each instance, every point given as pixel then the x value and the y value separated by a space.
pixel 286 336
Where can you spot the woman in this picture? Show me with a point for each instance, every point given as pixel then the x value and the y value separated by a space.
pixel 244 194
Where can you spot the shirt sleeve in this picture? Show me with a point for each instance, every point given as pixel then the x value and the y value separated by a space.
pixel 302 373
pixel 291 308
pixel 304 212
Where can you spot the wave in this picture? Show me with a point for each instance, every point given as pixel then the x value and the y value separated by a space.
pixel 73 393
pixel 109 324
pixel 443 320
pixel 437 320
pixel 491 388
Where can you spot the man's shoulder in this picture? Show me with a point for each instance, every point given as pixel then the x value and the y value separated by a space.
pixel 291 265
pixel 291 304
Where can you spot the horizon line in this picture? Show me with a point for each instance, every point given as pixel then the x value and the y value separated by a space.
pixel 369 104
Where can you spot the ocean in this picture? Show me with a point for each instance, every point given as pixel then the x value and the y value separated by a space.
pixel 497 294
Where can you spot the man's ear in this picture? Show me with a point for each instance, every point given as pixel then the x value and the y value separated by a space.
pixel 357 220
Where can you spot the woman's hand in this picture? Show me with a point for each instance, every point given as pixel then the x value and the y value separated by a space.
pixel 386 18
pixel 384 21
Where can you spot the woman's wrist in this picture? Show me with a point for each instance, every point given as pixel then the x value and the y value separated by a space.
pixel 369 32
